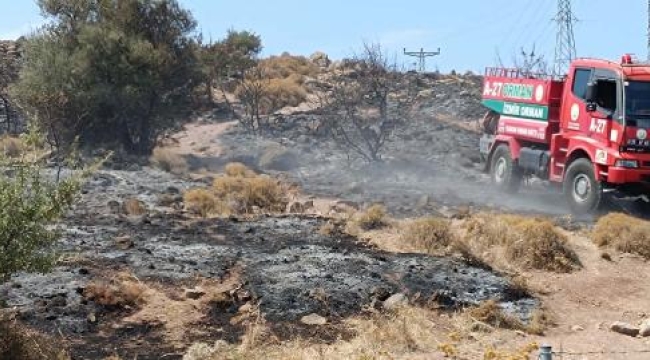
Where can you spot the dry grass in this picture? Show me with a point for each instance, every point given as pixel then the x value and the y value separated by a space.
pixel 287 66
pixel 17 342
pixel 489 316
pixel 237 169
pixel 134 207
pixel 527 243
pixel 374 217
pixel 169 161
pixel 204 203
pixel 238 191
pixel 282 93
pixel 121 292
pixel 12 147
pixel 430 235
pixel 244 195
pixel 407 330
pixel 623 233
pixel 406 333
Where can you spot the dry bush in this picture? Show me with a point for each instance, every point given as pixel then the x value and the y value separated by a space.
pixel 121 292
pixel 529 243
pixel 374 217
pixel 169 161
pixel 489 315
pixel 245 194
pixel 288 66
pixel 236 169
pixel 11 147
pixel 623 233
pixel 134 207
pixel 281 93
pixel 430 235
pixel 17 342
pixel 203 202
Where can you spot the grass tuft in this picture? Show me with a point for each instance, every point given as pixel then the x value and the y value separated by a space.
pixel 623 233
pixel 168 161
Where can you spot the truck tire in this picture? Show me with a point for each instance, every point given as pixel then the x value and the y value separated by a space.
pixel 581 188
pixel 505 174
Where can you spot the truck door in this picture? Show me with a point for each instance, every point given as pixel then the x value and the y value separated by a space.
pixel 608 97
pixel 574 110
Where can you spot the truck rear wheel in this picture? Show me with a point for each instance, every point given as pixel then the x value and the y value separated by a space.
pixel 505 174
pixel 581 188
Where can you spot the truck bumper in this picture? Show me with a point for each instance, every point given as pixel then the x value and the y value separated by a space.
pixel 619 175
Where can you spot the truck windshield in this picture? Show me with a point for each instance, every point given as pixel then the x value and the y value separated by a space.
pixel 637 104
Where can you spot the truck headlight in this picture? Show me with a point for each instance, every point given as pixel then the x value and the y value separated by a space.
pixel 627 163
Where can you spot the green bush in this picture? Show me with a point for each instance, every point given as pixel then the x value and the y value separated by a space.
pixel 29 203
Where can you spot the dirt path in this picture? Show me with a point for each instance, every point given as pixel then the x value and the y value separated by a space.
pixel 200 139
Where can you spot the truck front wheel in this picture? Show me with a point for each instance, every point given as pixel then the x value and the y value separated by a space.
pixel 505 174
pixel 581 188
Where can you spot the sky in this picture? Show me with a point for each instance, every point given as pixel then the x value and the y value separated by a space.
pixel 470 33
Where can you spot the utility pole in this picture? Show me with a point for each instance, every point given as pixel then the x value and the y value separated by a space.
pixel 565 44
pixel 422 57
pixel 648 30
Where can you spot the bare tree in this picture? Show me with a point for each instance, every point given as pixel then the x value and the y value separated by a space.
pixel 529 63
pixel 369 98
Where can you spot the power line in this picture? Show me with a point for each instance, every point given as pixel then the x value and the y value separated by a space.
pixel 422 57
pixel 565 44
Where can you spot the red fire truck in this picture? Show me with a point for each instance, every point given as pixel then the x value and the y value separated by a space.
pixel 587 131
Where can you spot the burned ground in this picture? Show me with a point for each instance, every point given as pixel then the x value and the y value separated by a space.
pixel 282 265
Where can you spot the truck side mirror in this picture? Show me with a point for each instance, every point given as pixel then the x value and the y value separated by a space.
pixel 590 96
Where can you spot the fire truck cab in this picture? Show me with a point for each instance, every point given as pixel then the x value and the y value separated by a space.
pixel 587 131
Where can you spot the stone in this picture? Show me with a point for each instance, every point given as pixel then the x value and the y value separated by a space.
pixel 313 319
pixel 645 328
pixel 114 207
pixel 320 59
pixel 624 328
pixel 423 202
pixel 124 242
pixel 395 301
pixel 577 328
pixel 195 293
pixel 246 308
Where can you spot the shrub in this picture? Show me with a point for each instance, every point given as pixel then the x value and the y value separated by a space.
pixel 432 235
pixel 169 161
pixel 623 233
pixel 11 147
pixel 134 207
pixel 202 202
pixel 527 242
pixel 20 343
pixel 282 93
pixel 373 218
pixel 288 66
pixel 119 293
pixel 244 194
pixel 236 169
pixel 29 205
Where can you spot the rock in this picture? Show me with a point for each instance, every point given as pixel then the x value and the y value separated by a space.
pixel 195 293
pixel 114 207
pixel 124 242
pixel 313 319
pixel 624 328
pixel 645 328
pixel 577 328
pixel 246 308
pixel 134 207
pixel 92 318
pixel 395 301
pixel 278 158
pixel 320 59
